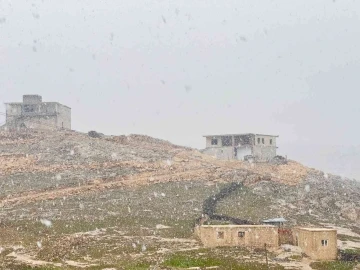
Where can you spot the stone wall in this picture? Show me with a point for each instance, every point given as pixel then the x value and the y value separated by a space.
pixel 32 99
pixel 209 139
pixel 64 117
pixel 223 153
pixel 317 243
pixel 264 152
pixel 265 140
pixel 47 115
pixel 252 236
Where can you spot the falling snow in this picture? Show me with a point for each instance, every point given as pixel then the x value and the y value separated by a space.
pixel 46 222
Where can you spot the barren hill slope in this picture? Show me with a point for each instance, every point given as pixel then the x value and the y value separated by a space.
pixel 50 164
pixel 86 201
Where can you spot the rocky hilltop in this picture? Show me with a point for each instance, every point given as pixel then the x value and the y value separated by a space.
pixel 99 200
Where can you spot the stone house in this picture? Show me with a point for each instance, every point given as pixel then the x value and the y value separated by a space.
pixel 35 114
pixel 240 146
pixel 251 236
pixel 317 243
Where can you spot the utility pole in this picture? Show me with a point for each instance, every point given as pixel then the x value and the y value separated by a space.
pixel 266 255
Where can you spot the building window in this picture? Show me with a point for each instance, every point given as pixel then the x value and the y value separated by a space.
pixel 226 141
pixel 324 243
pixel 263 141
pixel 214 141
pixel 220 235
pixel 29 108
pixel 241 234
pixel 258 140
pixel 271 141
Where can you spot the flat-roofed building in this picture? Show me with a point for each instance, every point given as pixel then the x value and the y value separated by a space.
pixel 251 236
pixel 317 243
pixel 33 113
pixel 261 147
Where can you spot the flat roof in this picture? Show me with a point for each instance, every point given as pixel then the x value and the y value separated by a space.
pixel 44 102
pixel 243 134
pixel 238 226
pixel 318 229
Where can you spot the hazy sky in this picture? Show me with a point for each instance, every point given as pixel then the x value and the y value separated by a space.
pixel 180 69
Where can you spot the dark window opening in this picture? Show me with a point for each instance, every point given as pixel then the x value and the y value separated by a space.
pixel 258 140
pixel 235 152
pixel 263 141
pixel 241 234
pixel 29 108
pixel 214 141
pixel 242 140
pixel 220 235
pixel 324 243
pixel 226 141
pixel 270 141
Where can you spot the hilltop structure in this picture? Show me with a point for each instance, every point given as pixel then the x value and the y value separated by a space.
pixel 260 147
pixel 35 114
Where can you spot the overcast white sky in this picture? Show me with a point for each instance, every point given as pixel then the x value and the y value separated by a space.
pixel 177 70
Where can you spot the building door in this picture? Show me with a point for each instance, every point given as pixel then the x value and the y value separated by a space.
pixel 242 151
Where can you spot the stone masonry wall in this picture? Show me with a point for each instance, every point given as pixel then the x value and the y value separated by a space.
pixel 238 235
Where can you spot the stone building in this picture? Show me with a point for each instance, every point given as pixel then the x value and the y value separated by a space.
pixel 34 114
pixel 241 146
pixel 318 243
pixel 251 236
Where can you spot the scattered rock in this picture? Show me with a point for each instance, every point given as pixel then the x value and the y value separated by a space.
pixel 94 134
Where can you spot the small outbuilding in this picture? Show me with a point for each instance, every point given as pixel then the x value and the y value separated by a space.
pixel 251 236
pixel 279 222
pixel 317 243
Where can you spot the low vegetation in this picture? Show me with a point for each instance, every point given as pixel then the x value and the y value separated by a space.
pixel 296 257
pixel 334 265
pixel 344 237
pixel 355 251
pixel 223 263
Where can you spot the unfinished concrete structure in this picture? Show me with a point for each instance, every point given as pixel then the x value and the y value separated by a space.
pixel 239 146
pixel 251 236
pixel 35 114
pixel 318 243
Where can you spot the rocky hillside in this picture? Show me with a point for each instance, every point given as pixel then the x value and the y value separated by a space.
pixel 38 165
pixel 101 201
